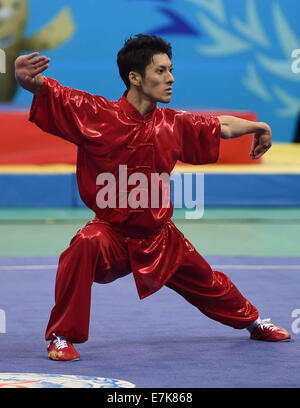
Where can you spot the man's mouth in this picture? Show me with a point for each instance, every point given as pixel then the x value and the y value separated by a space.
pixel 169 90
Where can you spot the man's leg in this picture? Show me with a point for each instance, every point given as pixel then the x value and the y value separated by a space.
pixel 212 292
pixel 97 253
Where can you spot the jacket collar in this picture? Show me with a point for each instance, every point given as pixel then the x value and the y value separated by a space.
pixel 133 113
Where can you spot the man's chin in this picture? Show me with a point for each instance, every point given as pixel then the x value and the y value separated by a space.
pixel 165 100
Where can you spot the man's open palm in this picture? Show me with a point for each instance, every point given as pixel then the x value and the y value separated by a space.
pixel 28 69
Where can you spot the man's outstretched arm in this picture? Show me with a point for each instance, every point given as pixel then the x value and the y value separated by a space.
pixel 28 71
pixel 232 127
pixel 56 109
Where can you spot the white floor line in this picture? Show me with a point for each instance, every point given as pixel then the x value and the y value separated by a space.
pixel 26 267
pixel 256 266
pixel 50 267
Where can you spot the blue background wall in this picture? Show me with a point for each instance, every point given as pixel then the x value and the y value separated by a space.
pixel 228 54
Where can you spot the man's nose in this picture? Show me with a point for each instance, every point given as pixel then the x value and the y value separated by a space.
pixel 171 78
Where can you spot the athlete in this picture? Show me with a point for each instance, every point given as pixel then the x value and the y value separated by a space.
pixel 135 135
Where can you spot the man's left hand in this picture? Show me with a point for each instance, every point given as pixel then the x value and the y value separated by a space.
pixel 262 141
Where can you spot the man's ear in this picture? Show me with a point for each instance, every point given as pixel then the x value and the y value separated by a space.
pixel 135 78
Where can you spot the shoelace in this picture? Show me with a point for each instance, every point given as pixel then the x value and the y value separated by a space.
pixel 267 324
pixel 60 343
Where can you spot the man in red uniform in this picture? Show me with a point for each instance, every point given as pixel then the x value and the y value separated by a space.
pixel 135 133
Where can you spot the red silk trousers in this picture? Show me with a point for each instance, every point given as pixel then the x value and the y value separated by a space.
pixel 99 254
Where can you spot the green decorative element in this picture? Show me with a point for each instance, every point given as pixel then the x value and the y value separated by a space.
pixel 215 7
pixel 291 103
pixel 234 36
pixel 225 42
pixel 253 82
pixel 253 29
pixel 13 18
pixel 286 36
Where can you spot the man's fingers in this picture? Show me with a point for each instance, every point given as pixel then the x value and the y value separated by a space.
pixel 254 145
pixel 32 55
pixel 260 145
pixel 41 64
pixel 259 151
pixel 40 69
pixel 39 60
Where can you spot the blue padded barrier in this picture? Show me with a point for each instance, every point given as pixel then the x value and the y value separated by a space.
pixel 60 190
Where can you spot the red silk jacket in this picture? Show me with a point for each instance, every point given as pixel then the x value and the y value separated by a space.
pixel 113 133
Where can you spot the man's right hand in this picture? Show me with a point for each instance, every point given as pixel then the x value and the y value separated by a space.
pixel 28 71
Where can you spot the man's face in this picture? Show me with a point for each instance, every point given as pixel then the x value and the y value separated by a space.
pixel 158 80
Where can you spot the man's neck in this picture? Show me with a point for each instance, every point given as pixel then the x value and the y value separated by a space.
pixel 142 104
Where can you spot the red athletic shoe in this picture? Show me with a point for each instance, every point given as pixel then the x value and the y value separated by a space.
pixel 268 331
pixel 60 349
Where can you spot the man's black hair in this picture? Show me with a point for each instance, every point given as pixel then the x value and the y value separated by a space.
pixel 138 52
